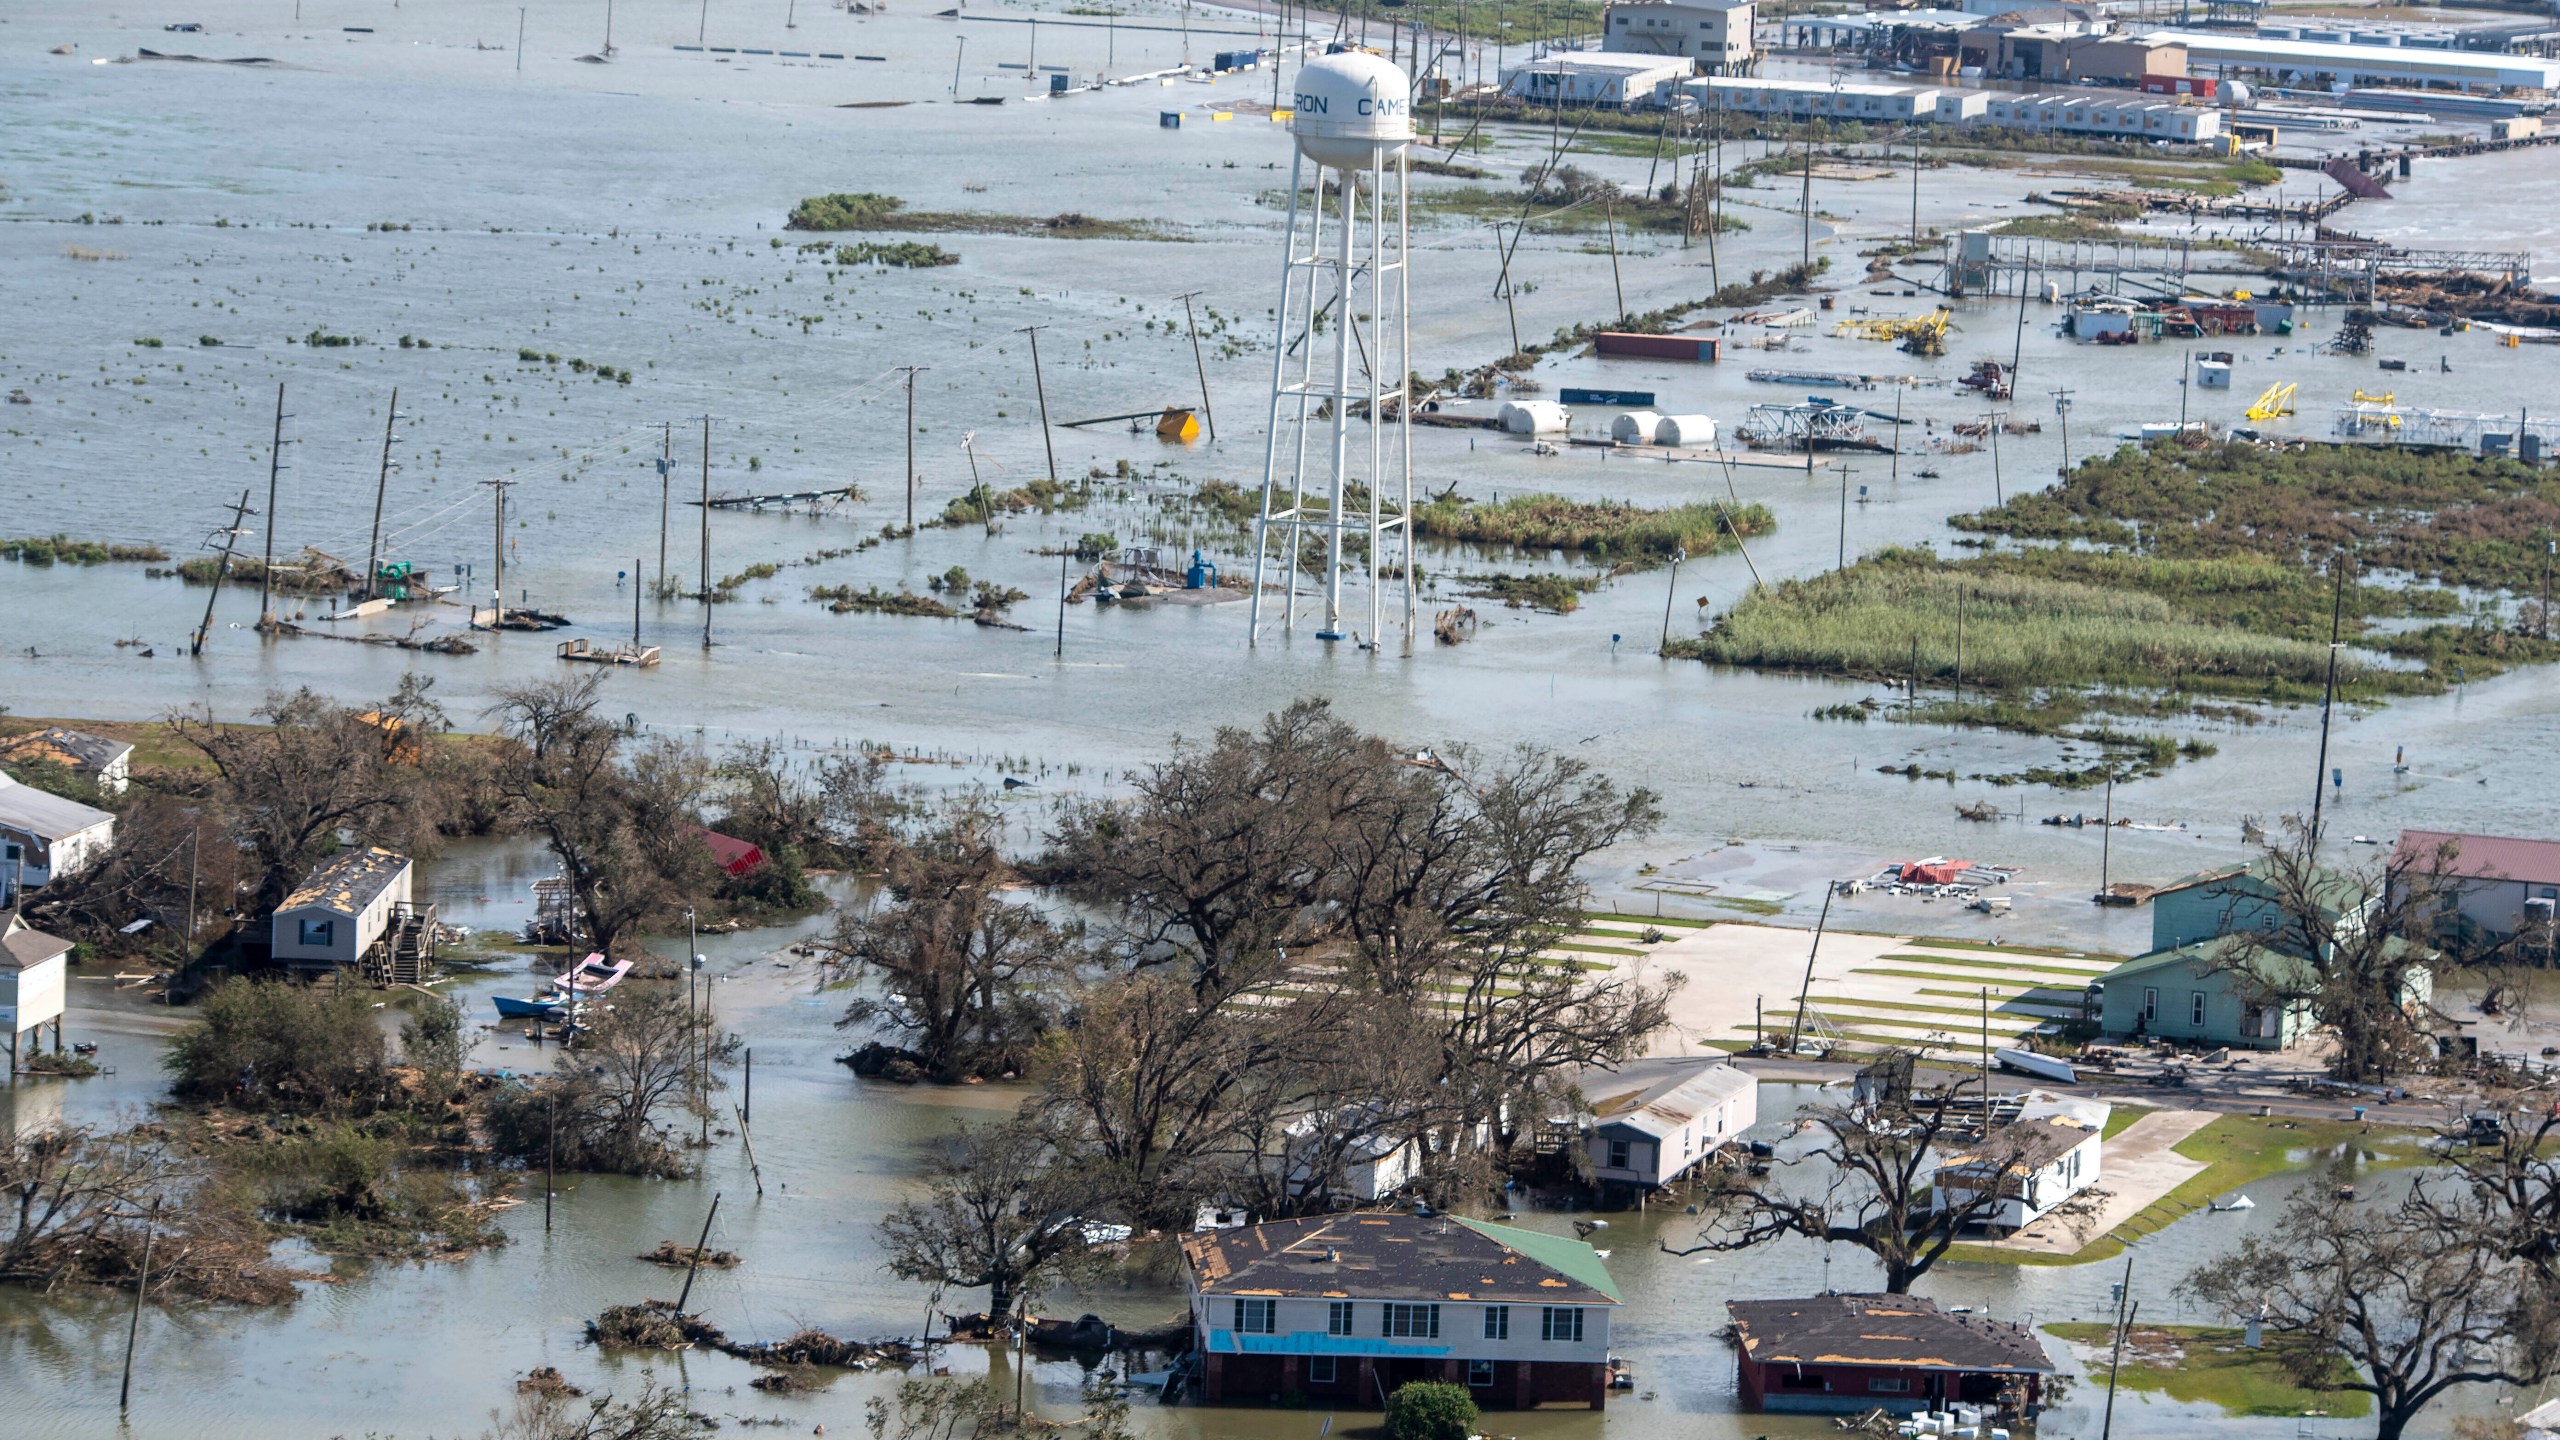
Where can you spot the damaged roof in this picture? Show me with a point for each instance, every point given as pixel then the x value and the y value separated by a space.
pixel 23 947
pixel 2027 1145
pixel 1661 1095
pixel 1906 1332
pixel 70 749
pixel 1384 1256
pixel 348 883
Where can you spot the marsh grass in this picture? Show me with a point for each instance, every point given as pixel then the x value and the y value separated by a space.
pixel 1600 529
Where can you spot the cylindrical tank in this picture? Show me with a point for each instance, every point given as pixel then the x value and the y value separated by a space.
pixel 1349 108
pixel 1635 427
pixel 1535 417
pixel 1685 431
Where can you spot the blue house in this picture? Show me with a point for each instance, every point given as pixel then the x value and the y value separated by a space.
pixel 2221 948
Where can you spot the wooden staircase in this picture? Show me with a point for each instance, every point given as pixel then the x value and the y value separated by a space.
pixel 406 953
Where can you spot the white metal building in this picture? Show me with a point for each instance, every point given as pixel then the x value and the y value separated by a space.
pixel 341 909
pixel 1714 35
pixel 103 762
pixel 1594 77
pixel 43 836
pixel 2366 64
pixel 2127 114
pixel 32 968
pixel 1654 1120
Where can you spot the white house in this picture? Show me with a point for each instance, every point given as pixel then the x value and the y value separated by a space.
pixel 1654 1120
pixel 1713 35
pixel 43 835
pixel 102 762
pixel 32 967
pixel 1342 1309
pixel 1372 1165
pixel 1594 77
pixel 2036 1162
pixel 342 911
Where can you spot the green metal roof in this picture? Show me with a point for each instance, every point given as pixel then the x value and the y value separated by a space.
pixel 2208 957
pixel 1567 1257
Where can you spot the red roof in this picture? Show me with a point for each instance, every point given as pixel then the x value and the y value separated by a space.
pixel 735 855
pixel 2480 857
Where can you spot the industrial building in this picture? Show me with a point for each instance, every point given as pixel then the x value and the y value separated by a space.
pixel 2312 62
pixel 1595 77
pixel 2127 116
pixel 1714 36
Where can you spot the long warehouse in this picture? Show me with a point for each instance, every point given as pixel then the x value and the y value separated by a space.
pixel 2367 64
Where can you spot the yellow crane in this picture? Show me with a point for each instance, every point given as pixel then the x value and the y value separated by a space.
pixel 2277 401
pixel 1932 326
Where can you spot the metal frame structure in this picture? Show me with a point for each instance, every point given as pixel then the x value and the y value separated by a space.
pixel 1379 347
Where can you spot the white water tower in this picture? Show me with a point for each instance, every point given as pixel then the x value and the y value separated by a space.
pixel 1342 293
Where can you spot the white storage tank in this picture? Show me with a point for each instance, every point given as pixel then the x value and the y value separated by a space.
pixel 1534 417
pixel 1635 427
pixel 1697 432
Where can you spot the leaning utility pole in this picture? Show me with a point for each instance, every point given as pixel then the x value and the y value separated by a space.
pixel 373 551
pixel 1042 389
pixel 666 472
pixel 2329 692
pixel 222 573
pixel 1193 324
pixel 706 532
pixel 267 571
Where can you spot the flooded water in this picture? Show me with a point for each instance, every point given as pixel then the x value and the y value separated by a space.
pixel 622 214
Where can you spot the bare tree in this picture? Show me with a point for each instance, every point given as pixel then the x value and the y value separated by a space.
pixel 650 1054
pixel 1875 1165
pixel 312 772
pixel 626 831
pixel 967 975
pixel 2348 948
pixel 2403 1292
pixel 1001 1214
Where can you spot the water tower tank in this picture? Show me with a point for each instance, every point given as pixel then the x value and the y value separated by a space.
pixel 1351 107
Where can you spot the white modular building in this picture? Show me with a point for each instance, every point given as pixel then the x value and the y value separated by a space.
pixel 1595 77
pixel 2127 115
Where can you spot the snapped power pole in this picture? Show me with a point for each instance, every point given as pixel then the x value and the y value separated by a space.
pixel 230 534
pixel 267 570
pixel 382 483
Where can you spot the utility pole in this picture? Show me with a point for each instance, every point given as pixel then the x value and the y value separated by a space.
pixel 1994 422
pixel 666 473
pixel 1609 212
pixel 267 571
pixel 1041 388
pixel 2062 407
pixel 956 57
pixel 695 1268
pixel 1207 414
pixel 519 39
pixel 1915 189
pixel 1065 554
pixel 1808 204
pixel 498 591
pixel 2107 836
pixel 1843 562
pixel 373 551
pixel 2018 341
pixel 222 573
pixel 1669 594
pixel 133 1326
pixel 911 443
pixel 706 532
pixel 2329 691
pixel 2186 367
pixel 2124 1322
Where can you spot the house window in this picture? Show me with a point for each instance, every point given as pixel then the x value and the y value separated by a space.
pixel 1337 1318
pixel 1879 1385
pixel 319 932
pixel 1621 1155
pixel 2195 1007
pixel 1497 1322
pixel 1320 1370
pixel 1411 1322
pixel 1561 1323
pixel 1480 1374
pixel 1256 1317
pixel 2150 1004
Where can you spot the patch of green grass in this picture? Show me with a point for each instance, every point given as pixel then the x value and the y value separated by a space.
pixel 1581 949
pixel 864 210
pixel 1973 1013
pixel 1967 966
pixel 2120 1118
pixel 1746 905
pixel 2206 1364
pixel 1599 529
pixel 1667 922
pixel 1934 942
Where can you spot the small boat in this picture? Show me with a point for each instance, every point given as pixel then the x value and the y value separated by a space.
pixel 2236 1202
pixel 510 1008
pixel 2035 1064
pixel 591 976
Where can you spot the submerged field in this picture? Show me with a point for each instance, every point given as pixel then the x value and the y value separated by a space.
pixel 2161 583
